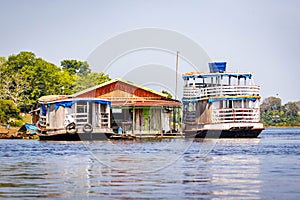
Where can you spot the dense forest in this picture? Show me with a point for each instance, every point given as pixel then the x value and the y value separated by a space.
pixel 273 113
pixel 25 78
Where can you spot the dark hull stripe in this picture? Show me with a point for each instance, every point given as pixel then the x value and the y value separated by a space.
pixel 253 133
pixel 76 136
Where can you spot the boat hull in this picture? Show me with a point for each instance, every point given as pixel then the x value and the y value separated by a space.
pixel 76 136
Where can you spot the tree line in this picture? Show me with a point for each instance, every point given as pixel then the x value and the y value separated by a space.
pixel 25 78
pixel 273 113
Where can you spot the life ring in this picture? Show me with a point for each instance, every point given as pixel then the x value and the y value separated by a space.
pixel 87 128
pixel 71 128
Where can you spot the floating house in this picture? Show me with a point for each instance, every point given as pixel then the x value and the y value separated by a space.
pixel 137 110
pixel 66 118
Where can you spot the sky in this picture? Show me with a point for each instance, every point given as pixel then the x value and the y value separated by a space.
pixel 253 36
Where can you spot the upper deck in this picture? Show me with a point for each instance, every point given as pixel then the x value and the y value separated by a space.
pixel 219 85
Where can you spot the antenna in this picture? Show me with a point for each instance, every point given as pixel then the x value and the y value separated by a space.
pixel 176 82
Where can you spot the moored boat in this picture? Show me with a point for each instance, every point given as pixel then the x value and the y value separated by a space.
pixel 64 118
pixel 220 104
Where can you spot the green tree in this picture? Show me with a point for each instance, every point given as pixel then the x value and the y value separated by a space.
pixel 2 61
pixel 2 74
pixel 84 78
pixel 12 83
pixel 76 67
pixel 271 103
pixel 274 114
pixel 290 113
pixel 25 78
pixel 45 79
pixel 17 62
pixel 13 86
pixel 90 80
pixel 67 83
pixel 8 110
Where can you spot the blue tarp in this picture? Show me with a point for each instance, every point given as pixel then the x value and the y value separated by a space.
pixel 31 127
pixel 210 100
pixel 44 110
pixel 217 67
pixel 103 102
pixel 68 104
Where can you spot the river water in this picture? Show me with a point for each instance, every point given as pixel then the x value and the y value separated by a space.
pixel 267 167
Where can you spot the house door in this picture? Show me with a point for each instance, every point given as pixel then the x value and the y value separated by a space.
pixel 147 120
pixel 147 124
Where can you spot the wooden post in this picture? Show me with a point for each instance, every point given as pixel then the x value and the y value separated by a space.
pixel 161 122
pixel 133 120
pixel 108 110
pixel 174 118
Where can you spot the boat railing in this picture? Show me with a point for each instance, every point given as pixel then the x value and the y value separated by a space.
pixel 189 117
pixel 191 92
pixel 80 118
pixel 104 120
pixel 235 115
pixel 42 121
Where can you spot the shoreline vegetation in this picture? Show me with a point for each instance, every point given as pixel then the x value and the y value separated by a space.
pixel 25 78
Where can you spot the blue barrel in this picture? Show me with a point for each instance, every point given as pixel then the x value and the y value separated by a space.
pixel 217 67
pixel 120 131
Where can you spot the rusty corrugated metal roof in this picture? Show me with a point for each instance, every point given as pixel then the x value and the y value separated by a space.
pixel 146 103
pixel 121 80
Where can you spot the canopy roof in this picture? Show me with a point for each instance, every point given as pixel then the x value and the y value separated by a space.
pixel 67 103
pixel 189 75
pixel 49 98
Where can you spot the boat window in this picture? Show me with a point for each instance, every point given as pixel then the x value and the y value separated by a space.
pixel 237 104
pixel 230 104
pixel 246 104
pixel 223 104
pixel 225 80
pixel 81 107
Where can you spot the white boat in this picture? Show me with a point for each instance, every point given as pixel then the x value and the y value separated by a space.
pixel 65 118
pixel 220 104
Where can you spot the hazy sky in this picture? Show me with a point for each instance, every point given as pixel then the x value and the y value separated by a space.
pixel 258 36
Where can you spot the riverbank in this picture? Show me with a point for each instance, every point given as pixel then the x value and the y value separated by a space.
pixel 11 133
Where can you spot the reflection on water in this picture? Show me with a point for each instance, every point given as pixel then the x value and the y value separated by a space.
pixel 263 168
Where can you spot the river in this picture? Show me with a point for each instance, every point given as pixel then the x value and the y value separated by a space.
pixel 267 167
